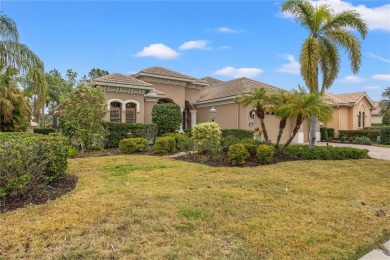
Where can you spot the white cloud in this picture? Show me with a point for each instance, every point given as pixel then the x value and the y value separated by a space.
pixel 238 73
pixel 226 30
pixel 371 88
pixel 159 51
pixel 379 57
pixel 385 77
pixel 224 47
pixel 352 79
pixel 199 44
pixel 293 67
pixel 377 18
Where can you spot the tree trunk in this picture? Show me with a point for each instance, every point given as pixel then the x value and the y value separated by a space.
pixel 282 125
pixel 313 126
pixel 295 131
pixel 261 115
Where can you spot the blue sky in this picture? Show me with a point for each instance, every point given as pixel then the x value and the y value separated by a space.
pixel 222 39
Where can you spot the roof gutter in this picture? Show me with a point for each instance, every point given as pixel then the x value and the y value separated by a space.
pixel 106 84
pixel 172 78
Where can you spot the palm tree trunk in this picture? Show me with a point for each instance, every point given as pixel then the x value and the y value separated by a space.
pixel 313 126
pixel 295 131
pixel 261 115
pixel 282 125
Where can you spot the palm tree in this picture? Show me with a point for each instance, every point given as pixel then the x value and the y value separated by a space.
pixel 302 105
pixel 320 51
pixel 17 55
pixel 278 99
pixel 259 100
pixel 385 102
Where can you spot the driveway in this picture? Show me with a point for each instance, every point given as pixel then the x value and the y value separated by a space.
pixel 375 152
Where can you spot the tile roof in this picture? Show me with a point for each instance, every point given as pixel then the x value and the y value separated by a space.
pixel 377 109
pixel 160 71
pixel 344 99
pixel 117 78
pixel 232 88
pixel 352 97
pixel 333 99
pixel 211 80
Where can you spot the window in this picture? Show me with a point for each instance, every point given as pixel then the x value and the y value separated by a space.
pixel 360 119
pixel 131 115
pixel 115 112
pixel 364 115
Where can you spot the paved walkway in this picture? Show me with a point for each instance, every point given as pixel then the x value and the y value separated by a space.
pixel 375 152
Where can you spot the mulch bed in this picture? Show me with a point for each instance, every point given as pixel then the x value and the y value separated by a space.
pixel 55 189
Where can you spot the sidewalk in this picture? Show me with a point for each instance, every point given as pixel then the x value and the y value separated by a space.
pixel 378 254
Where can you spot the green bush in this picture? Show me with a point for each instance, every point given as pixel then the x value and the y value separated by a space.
pixel 179 138
pixel 324 133
pixel 265 153
pixel 371 134
pixel 187 132
pixel 326 152
pixel 186 146
pixel 237 133
pixel 210 148
pixel 72 151
pixel 330 132
pixel 362 140
pixel 343 139
pixel 164 144
pixel 132 145
pixel 350 139
pixel 237 154
pixel 251 148
pixel 206 131
pixel 385 135
pixel 167 117
pixel 117 131
pixel 386 118
pixel 228 141
pixel 30 161
pixel 43 131
pixel 376 124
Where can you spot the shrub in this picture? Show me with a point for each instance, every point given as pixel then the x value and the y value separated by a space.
pixel 132 145
pixel 206 131
pixel 179 138
pixel 210 148
pixel 376 124
pixel 326 152
pixel 187 132
pixel 385 135
pixel 29 161
pixel 342 139
pixel 350 139
pixel 43 131
pixel 117 131
pixel 251 148
pixel 72 151
pixel 386 118
pixel 265 153
pixel 167 117
pixel 371 134
pixel 330 132
pixel 362 140
pixel 228 141
pixel 237 154
pixel 186 146
pixel 324 133
pixel 237 133
pixel 164 144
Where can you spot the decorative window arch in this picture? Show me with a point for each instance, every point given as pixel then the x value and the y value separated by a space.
pixel 116 111
pixel 134 102
pixel 113 100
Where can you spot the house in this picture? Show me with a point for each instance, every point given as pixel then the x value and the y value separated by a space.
pixel 131 99
pixel 376 115
pixel 351 111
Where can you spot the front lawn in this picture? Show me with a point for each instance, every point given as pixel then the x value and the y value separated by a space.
pixel 158 208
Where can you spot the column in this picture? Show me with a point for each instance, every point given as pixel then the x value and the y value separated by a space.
pixel 182 121
pixel 193 118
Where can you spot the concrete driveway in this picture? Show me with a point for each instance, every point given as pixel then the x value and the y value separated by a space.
pixel 375 152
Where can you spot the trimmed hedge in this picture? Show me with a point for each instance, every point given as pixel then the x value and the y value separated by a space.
pixel 385 135
pixel 330 132
pixel 132 145
pixel 326 152
pixel 43 131
pixel 324 133
pixel 118 131
pixel 371 134
pixel 265 153
pixel 29 161
pixel 362 140
pixel 164 144
pixel 179 138
pixel 237 154
pixel 168 117
pixel 237 133
pixel 376 124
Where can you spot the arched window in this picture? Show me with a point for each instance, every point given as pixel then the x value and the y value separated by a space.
pixel 363 115
pixel 131 115
pixel 360 119
pixel 115 112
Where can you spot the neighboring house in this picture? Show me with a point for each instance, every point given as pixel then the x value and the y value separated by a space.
pixel 376 115
pixel 131 99
pixel 351 111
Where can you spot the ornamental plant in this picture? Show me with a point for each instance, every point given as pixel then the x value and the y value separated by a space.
pixel 237 154
pixel 132 145
pixel 265 153
pixel 167 117
pixel 205 133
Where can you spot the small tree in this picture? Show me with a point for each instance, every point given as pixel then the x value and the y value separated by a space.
pixel 81 113
pixel 386 118
pixel 167 117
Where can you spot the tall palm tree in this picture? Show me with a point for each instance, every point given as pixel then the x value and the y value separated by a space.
pixel 278 99
pixel 17 55
pixel 328 32
pixel 385 102
pixel 259 100
pixel 302 105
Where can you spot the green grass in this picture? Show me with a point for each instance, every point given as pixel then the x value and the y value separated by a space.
pixel 146 207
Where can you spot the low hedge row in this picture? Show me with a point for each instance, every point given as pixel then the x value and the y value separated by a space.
pixel 237 133
pixel 385 135
pixel 326 152
pixel 118 131
pixel 43 131
pixel 29 161
pixel 372 134
pixel 132 145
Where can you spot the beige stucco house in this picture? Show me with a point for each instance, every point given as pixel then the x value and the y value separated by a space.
pixel 376 115
pixel 351 111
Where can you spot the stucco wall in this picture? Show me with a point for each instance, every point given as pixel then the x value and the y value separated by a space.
pixel 127 97
pixel 148 111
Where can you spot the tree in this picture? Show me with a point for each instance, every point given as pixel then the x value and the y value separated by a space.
pixel 385 102
pixel 259 100
pixel 81 113
pixel 320 51
pixel 167 117
pixel 278 99
pixel 17 55
pixel 14 109
pixel 302 106
pixel 97 73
